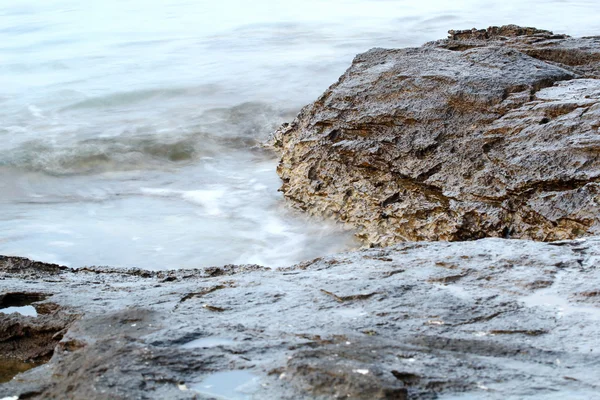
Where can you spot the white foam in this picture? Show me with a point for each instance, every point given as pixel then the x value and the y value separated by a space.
pixel 60 243
pixel 276 226
pixel 158 192
pixel 35 111
pixel 209 199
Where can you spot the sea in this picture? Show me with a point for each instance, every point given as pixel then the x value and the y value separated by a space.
pixel 131 131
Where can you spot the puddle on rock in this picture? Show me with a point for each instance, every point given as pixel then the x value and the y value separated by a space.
pixel 228 385
pixel 208 342
pixel 547 298
pixel 10 367
pixel 28 311
pixel 20 302
pixel 353 313
pixel 455 290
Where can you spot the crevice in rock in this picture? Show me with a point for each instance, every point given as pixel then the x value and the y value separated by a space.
pixel 391 200
pixel 408 378
pixel 423 176
pixel 556 185
pixel 26 341
pixel 426 189
pixel 342 299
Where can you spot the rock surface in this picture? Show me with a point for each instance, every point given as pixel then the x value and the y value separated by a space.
pixel 482 319
pixel 579 55
pixel 492 133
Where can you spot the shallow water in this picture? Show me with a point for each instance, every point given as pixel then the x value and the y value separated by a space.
pixel 230 385
pixel 207 342
pixel 10 367
pixel 128 126
pixel 28 311
pixel 547 298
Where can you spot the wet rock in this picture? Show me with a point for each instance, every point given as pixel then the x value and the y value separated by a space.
pixel 332 371
pixel 27 338
pixel 491 318
pixel 490 133
pixel 580 55
pixel 32 339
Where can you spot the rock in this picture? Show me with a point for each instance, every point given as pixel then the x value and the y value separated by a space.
pixel 579 55
pixel 491 133
pixel 488 319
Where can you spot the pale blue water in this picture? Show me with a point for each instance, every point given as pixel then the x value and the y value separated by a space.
pixel 126 125
pixel 229 385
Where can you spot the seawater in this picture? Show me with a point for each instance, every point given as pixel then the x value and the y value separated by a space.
pixel 129 128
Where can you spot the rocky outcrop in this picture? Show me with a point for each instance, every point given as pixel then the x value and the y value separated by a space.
pixel 579 55
pixel 491 133
pixel 488 319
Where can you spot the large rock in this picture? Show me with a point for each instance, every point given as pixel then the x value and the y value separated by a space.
pixel 464 138
pixel 484 319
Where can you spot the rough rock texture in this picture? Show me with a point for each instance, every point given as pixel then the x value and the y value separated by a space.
pixel 580 55
pixel 485 319
pixel 488 133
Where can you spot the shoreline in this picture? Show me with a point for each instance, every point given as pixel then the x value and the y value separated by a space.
pixel 437 155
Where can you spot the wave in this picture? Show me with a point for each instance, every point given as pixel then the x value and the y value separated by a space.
pixel 100 155
pixel 215 133
pixel 126 98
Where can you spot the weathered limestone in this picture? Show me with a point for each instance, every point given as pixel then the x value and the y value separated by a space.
pixel 435 144
pixel 580 55
pixel 489 319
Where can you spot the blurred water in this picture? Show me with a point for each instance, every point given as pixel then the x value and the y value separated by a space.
pixel 127 126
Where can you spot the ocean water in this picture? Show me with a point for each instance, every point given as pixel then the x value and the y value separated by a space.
pixel 129 128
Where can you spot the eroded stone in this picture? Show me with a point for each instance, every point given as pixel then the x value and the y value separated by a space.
pixel 432 144
pixel 486 318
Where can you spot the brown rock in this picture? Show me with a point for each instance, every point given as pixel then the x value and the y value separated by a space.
pixel 436 144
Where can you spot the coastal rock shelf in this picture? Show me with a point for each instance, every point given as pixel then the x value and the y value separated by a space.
pixel 490 133
pixel 484 318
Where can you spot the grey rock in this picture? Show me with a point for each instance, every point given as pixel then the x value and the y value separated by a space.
pixel 487 319
pixel 580 55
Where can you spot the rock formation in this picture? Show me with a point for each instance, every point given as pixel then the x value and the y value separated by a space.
pixel 492 133
pixel 489 318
